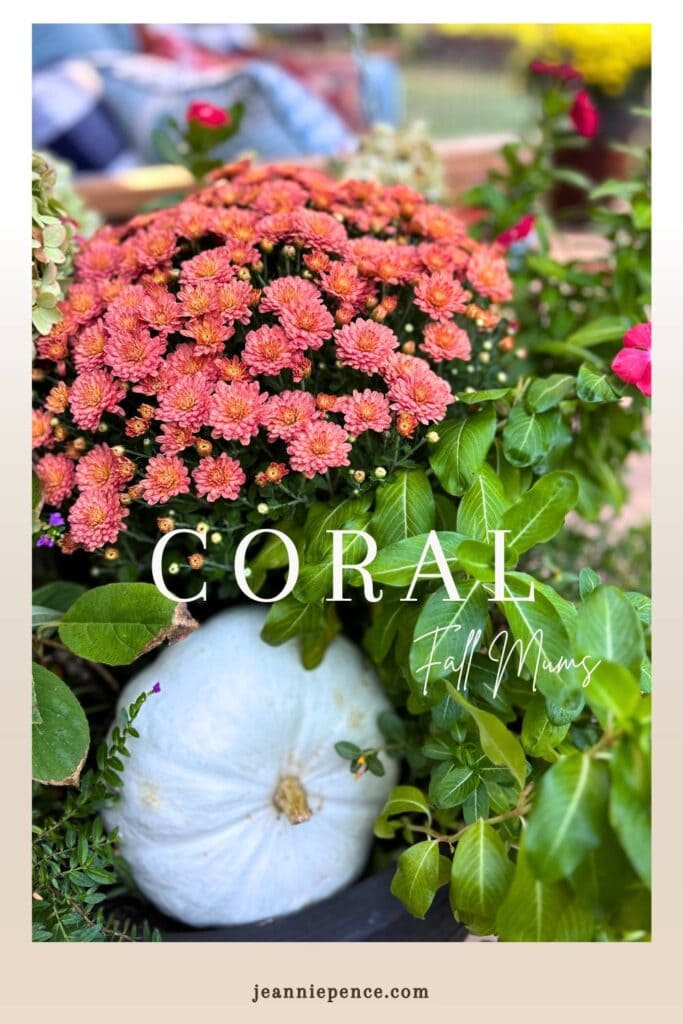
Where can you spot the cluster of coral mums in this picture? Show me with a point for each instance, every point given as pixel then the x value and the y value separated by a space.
pixel 259 328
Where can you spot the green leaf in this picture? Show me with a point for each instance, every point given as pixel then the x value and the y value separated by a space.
pixel 568 816
pixel 402 800
pixel 60 733
pixel 396 564
pixel 528 437
pixel 59 595
pixel 642 605
pixel 539 736
pixel 489 395
pixel 477 559
pixel 614 187
pixel 540 513
pixel 604 328
pixel 445 630
pixel 117 623
pixel 575 924
pixel 41 616
pixel 404 507
pixel 461 449
pixel 323 517
pixel 36 494
pixel 480 872
pixel 417 877
pixel 531 909
pixel 539 626
pixel 289 618
pixel 315 581
pixel 612 694
pixel 598 385
pixel 349 751
pixel 588 581
pixel 497 742
pixel 476 805
pixel 482 505
pixel 607 627
pixel 451 784
pixel 386 621
pixel 629 807
pixel 544 394
pixel 601 877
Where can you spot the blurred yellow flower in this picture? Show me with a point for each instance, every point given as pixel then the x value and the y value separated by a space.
pixel 606 54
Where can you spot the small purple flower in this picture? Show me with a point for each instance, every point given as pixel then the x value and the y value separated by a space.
pixel 56 519
pixel 45 541
pixel 156 688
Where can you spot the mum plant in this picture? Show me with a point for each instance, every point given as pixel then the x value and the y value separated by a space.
pixel 281 351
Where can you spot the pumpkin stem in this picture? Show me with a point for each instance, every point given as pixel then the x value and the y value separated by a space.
pixel 291 799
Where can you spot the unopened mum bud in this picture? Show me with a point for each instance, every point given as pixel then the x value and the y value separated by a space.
pixel 432 436
pixel 216 537
pixel 165 524
pixel 262 508
pixel 202 527
pixel 380 472
pixel 203 446
pixel 408 347
pixel 174 568
pixel 359 476
pixel 195 561
pixel 111 554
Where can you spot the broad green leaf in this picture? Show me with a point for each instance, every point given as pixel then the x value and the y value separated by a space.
pixel 615 187
pixel 315 581
pixel 445 630
pixel 642 605
pixel 417 877
pixel 461 449
pixel 117 623
pixel 60 733
pixel 36 499
pixel 482 505
pixel 546 393
pixel 451 784
pixel 402 800
pixel 540 737
pixel 41 616
pixel 529 437
pixel 323 517
pixel 575 924
pixel 588 581
pixel 59 595
pixel 543 645
pixel 629 807
pixel 607 627
pixel 497 742
pixel 603 328
pixel 612 694
pixel 312 646
pixel 489 395
pixel 404 508
pixel 568 816
pixel 289 618
pixel 480 873
pixel 531 910
pixel 385 622
pixel 540 513
pixel 396 564
pixel 594 385
pixel 476 805
pixel 601 877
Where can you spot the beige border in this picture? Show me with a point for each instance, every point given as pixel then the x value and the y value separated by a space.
pixel 213 982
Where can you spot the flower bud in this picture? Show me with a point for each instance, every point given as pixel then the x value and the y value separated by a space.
pixel 359 476
pixel 165 524
pixel 432 436
pixel 380 472
pixel 174 569
pixel 216 537
pixel 195 561
pixel 111 554
pixel 262 508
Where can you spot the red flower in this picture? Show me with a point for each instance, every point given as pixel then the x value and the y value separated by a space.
pixel 207 114
pixel 518 231
pixel 633 363
pixel 584 115
pixel 565 72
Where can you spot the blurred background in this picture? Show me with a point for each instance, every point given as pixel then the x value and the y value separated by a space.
pixel 427 104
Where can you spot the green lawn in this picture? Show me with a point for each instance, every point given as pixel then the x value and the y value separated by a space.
pixel 465 101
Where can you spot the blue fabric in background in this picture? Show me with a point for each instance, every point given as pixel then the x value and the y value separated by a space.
pixel 97 100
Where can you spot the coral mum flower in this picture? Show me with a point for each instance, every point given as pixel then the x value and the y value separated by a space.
pixel 286 292
pixel 88 347
pixel 285 413
pixel 165 477
pixel 318 446
pixel 186 402
pixel 218 478
pixel 440 296
pixel 209 332
pixel 174 438
pixel 366 410
pixel 307 324
pixel 93 394
pixel 134 356
pixel 420 391
pixel 57 478
pixel 633 363
pixel 267 351
pixel 210 265
pixel 41 429
pixel 488 275
pixel 236 410
pixel 446 341
pixel 365 345
pixel 96 518
pixel 98 469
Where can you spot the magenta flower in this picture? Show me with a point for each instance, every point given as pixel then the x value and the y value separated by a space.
pixel 633 363
pixel 156 688
pixel 565 72
pixel 518 231
pixel 584 115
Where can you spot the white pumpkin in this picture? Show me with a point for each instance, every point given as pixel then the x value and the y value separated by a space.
pixel 235 805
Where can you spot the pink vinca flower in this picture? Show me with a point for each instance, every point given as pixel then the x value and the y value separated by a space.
pixel 633 363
